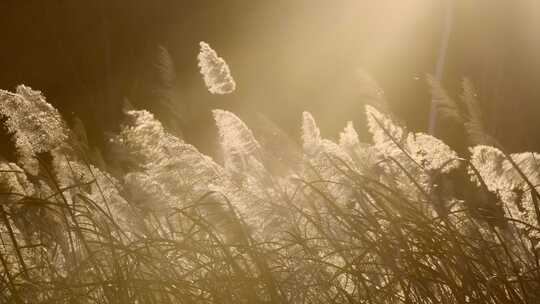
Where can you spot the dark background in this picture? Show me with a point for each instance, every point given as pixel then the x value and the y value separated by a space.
pixel 286 56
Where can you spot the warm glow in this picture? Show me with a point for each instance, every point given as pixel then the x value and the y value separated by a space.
pixel 261 152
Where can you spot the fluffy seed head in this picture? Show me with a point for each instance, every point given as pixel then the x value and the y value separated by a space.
pixel 216 73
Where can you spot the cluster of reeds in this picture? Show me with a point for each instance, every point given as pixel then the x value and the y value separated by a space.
pixel 347 222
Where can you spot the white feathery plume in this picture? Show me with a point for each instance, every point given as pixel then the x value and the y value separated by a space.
pixel 428 151
pixel 528 163
pixel 502 178
pixel 238 144
pixel 311 135
pixel 316 148
pixel 36 125
pixel 364 155
pixel 216 73
pixel 384 131
pixel 13 180
pixel 488 161
pixel 169 170
pixel 499 173
pixel 417 154
pixel 348 139
pixel 141 138
pixel 431 153
pixel 324 159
